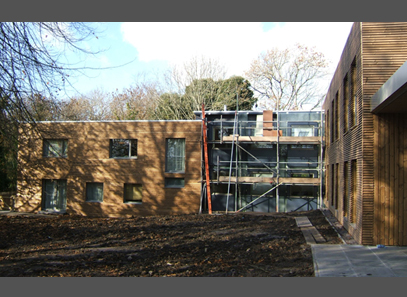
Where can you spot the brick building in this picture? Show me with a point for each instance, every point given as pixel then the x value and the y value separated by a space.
pixel 110 168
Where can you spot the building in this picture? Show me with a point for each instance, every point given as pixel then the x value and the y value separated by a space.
pixel 366 132
pixel 125 168
pixel 110 168
pixel 254 168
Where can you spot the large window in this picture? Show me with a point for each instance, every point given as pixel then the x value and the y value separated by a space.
pixel 94 192
pixel 133 193
pixel 175 155
pixel 54 194
pixel 123 148
pixel 55 148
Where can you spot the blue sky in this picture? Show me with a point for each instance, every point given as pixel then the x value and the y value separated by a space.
pixel 153 47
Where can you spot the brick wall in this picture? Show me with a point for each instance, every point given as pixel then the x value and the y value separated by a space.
pixel 88 160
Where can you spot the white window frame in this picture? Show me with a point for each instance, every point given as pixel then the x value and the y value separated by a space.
pixel 55 148
pixel 132 144
pixel 175 156
pixel 88 186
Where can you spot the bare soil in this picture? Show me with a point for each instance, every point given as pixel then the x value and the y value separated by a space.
pixel 244 244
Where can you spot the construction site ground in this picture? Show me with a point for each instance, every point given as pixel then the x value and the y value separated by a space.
pixel 244 244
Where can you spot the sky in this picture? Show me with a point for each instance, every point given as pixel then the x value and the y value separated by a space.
pixel 149 48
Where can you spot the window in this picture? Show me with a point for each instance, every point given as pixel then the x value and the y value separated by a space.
pixel 336 111
pixel 54 194
pixel 175 155
pixel 55 148
pixel 345 103
pixel 94 192
pixel 123 148
pixel 328 126
pixel 353 98
pixel 336 185
pixel 298 130
pixel 345 195
pixel 333 184
pixel 174 182
pixel 354 191
pixel 133 193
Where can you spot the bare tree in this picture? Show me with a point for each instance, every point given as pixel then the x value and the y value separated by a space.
pixel 32 62
pixel 199 75
pixel 288 79
pixel 136 102
pixel 200 80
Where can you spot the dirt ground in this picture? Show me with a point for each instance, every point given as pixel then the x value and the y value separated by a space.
pixel 248 245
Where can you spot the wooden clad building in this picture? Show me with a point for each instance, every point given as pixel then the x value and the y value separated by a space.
pixel 366 132
pixel 110 168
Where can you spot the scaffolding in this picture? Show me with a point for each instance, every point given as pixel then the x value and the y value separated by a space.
pixel 273 163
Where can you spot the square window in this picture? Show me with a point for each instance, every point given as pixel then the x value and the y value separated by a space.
pixel 55 148
pixel 133 193
pixel 123 148
pixel 174 182
pixel 94 192
pixel 175 155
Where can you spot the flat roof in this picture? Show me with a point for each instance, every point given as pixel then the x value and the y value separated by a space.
pixel 255 112
pixel 118 121
pixel 392 96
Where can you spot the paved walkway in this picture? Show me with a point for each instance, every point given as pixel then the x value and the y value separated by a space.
pixel 343 260
pixel 353 260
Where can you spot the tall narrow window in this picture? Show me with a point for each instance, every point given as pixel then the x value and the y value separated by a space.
pixel 345 103
pixel 332 123
pixel 354 190
pixel 175 155
pixel 328 126
pixel 54 194
pixel 94 192
pixel 353 98
pixel 55 148
pixel 346 189
pixel 123 148
pixel 333 184
pixel 336 185
pixel 336 102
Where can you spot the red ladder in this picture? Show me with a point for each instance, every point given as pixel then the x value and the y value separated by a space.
pixel 205 140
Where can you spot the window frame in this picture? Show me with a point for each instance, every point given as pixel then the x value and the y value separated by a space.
pixel 46 148
pixel 134 201
pixel 59 194
pixel 130 141
pixel 306 125
pixel 172 186
pixel 86 191
pixel 353 117
pixel 167 157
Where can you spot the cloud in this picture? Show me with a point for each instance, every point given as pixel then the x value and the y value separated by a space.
pixel 233 44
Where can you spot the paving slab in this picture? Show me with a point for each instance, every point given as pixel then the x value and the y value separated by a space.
pixel 342 260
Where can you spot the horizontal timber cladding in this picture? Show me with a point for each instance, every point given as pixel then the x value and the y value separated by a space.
pixel 88 160
pixel 390 227
pixel 346 143
pixel 377 50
